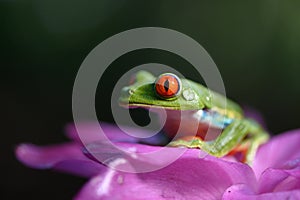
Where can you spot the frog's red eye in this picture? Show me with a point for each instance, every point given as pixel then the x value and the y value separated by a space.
pixel 168 86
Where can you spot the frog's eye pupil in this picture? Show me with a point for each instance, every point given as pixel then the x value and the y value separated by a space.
pixel 167 86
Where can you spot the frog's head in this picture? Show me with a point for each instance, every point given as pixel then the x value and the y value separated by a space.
pixel 167 91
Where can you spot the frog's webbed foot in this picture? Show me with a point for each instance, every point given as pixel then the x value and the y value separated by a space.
pixel 197 142
pixel 188 141
pixel 194 142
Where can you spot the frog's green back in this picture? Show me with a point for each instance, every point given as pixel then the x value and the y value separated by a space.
pixel 219 102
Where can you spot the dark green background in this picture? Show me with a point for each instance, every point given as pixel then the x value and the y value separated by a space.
pixel 255 44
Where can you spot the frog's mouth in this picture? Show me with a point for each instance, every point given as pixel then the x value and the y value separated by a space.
pixel 146 106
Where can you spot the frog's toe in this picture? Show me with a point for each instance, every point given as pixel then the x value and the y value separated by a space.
pixel 188 141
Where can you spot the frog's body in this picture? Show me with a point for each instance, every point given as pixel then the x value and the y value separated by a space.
pixel 194 110
pixel 200 120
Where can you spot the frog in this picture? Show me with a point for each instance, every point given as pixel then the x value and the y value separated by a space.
pixel 193 111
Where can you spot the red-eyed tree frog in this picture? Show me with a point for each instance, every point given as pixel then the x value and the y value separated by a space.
pixel 196 116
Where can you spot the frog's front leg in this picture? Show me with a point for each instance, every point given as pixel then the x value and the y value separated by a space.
pixel 223 144
pixel 231 136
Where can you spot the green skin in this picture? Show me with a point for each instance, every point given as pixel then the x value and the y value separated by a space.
pixel 240 132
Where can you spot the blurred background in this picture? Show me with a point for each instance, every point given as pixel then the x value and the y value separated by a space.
pixel 255 44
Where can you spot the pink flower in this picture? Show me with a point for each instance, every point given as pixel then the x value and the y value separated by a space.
pixel 275 173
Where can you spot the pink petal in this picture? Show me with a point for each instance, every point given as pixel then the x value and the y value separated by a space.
pixel 90 132
pixel 242 191
pixel 281 151
pixel 144 157
pixel 277 180
pixel 64 157
pixel 189 177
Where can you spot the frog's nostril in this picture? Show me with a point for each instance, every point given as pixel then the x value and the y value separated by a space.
pixel 130 91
